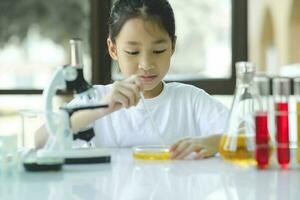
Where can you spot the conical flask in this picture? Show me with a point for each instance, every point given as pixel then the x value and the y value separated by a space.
pixel 238 143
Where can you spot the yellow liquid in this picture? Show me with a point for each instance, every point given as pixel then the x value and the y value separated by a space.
pixel 298 131
pixel 240 155
pixel 151 155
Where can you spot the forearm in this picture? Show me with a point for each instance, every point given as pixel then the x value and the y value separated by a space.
pixel 79 120
pixel 84 118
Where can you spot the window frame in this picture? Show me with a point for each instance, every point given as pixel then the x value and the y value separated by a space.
pixel 101 62
pixel 239 45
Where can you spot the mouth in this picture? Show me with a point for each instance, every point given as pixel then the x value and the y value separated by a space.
pixel 147 78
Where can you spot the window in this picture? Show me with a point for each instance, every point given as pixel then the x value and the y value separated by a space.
pixel 274 41
pixel 34 40
pixel 203 34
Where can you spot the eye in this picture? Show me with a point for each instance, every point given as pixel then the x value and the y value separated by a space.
pixel 132 52
pixel 159 51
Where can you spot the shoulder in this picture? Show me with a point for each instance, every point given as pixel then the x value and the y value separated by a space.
pixel 185 90
pixel 197 97
pixel 181 87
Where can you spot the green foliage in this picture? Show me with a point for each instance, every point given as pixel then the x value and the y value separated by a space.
pixel 58 20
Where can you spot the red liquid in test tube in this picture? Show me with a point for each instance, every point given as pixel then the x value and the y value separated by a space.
pixel 262 140
pixel 282 135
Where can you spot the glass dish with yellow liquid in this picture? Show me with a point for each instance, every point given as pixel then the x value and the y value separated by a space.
pixel 151 152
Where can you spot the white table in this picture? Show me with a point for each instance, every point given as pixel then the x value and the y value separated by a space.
pixel 126 178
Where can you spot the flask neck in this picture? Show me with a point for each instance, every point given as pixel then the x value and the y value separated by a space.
pixel 245 72
pixel 240 84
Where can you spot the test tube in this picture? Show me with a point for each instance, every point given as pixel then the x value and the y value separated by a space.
pixel 297 98
pixel 262 153
pixel 281 93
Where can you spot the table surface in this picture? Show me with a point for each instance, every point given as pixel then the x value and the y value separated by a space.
pixel 126 178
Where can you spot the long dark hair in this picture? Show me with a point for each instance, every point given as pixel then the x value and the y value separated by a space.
pixel 159 11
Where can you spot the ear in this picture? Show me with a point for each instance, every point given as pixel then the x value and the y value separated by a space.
pixel 112 49
pixel 174 45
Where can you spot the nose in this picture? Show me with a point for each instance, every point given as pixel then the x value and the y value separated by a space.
pixel 145 67
pixel 145 63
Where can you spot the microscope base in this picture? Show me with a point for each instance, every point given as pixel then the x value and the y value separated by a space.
pixel 86 156
pixel 42 160
pixel 37 164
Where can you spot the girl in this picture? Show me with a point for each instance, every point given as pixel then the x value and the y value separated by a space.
pixel 142 41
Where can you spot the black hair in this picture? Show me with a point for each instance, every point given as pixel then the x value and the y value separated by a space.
pixel 159 11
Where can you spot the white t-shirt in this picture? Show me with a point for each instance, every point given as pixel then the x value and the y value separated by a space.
pixel 179 111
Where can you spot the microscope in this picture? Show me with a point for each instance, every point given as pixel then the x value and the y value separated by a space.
pixel 59 149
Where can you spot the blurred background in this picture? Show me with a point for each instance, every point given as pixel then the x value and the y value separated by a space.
pixel 274 36
pixel 34 39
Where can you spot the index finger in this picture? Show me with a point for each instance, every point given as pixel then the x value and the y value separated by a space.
pixel 135 79
pixel 174 146
pixel 132 78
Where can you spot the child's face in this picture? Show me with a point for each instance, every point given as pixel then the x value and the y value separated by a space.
pixel 143 48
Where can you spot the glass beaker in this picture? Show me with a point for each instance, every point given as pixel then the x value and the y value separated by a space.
pixel 32 120
pixel 237 144
pixel 10 127
pixel 281 93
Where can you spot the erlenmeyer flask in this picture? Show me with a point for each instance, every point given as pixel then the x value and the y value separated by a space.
pixel 238 144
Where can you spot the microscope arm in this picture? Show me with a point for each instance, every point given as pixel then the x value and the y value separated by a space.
pixel 57 82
